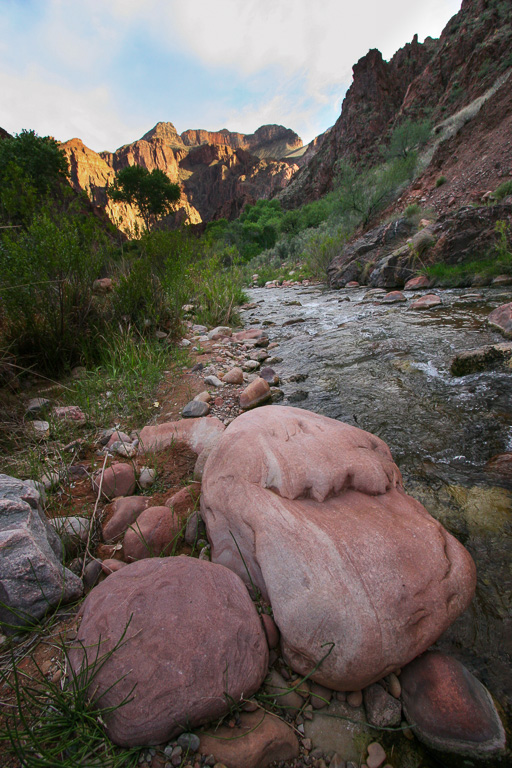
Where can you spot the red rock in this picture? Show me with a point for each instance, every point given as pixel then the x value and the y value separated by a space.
pixel 352 284
pixel 501 318
pixel 110 566
pixel 234 376
pixel 449 709
pixel 271 631
pixel 69 413
pixel 122 513
pixel 251 333
pixel 196 434
pixel 154 533
pixel 219 401
pixel 118 480
pixel 393 297
pixel 382 709
pixel 426 302
pixel 258 740
pixel 376 755
pixel 118 436
pixel 255 394
pixel 319 505
pixel 185 501
pixel 187 621
pixel 320 696
pixel 415 283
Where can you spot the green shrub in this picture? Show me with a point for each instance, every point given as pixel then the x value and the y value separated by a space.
pixel 407 138
pixel 440 181
pixel 503 190
pixel 138 297
pixel 412 210
pixel 49 318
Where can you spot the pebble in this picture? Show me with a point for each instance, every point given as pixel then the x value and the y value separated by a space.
pixel 128 450
pixel 189 742
pixel 41 428
pixel 213 381
pixel 147 477
pixel 394 686
pixel 36 405
pixel 50 480
pixel 203 397
pixel 376 755
pixel 195 409
pixel 251 365
pixel 355 698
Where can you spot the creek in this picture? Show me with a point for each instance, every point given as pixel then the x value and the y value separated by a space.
pixel 386 369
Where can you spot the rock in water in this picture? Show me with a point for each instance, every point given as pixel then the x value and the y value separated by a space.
pixel 32 577
pixel 501 318
pixel 194 643
pixel 449 709
pixel 331 539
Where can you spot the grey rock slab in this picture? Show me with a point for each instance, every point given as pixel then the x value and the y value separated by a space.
pixel 339 728
pixel 194 409
pixel 32 577
pixel 213 381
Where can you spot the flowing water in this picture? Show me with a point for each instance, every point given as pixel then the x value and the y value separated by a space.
pixel 386 369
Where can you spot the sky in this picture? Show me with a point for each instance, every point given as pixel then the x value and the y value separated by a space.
pixel 106 71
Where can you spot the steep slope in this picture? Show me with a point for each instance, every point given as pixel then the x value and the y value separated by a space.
pixel 435 79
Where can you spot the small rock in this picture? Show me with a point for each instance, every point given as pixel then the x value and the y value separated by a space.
pixel 213 381
pixel 428 301
pixel 189 742
pixel 41 429
pixel 337 762
pixel 92 573
pixel 102 285
pixel 69 413
pixel 382 709
pixel 320 696
pixel 501 318
pixel 257 393
pixel 298 396
pixel 376 755
pixel 37 406
pixel 393 297
pixel 118 480
pixel 234 376
pixel 184 343
pixel 154 533
pixel 195 409
pixel 416 283
pixel 251 365
pixel 109 566
pixel 146 477
pixel 355 698
pixel 394 687
pixel 127 450
pixel 50 480
pixel 222 331
pixel 288 700
pixel 270 376
pixel 203 397
pixel 271 630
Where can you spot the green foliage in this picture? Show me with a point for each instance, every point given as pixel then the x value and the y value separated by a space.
pixel 53 726
pixel 408 138
pixel 152 192
pixel 498 263
pixel 440 181
pixel 361 194
pixel 503 190
pixel 46 275
pixel 32 169
pixel 412 210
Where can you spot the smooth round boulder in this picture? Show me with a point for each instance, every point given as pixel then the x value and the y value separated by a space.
pixel 318 511
pixel 234 376
pixel 118 480
pixel 154 533
pixel 428 301
pixel 393 297
pixel 501 318
pixel 416 283
pixel 193 644
pixel 255 394
pixel 449 709
pixel 120 514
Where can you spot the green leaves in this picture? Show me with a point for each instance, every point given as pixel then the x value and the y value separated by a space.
pixel 152 192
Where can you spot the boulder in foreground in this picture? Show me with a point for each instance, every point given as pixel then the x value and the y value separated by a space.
pixel 501 318
pixel 449 709
pixel 32 577
pixel 194 644
pixel 333 542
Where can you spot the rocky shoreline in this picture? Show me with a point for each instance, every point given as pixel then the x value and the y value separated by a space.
pixel 265 468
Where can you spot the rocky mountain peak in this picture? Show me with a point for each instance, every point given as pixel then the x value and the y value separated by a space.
pixel 165 131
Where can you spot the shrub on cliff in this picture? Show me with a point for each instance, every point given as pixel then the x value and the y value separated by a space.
pixel 408 138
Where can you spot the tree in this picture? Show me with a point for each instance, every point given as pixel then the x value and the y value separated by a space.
pixel 33 170
pixel 152 192
pixel 407 138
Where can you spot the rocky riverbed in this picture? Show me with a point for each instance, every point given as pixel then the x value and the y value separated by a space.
pixel 386 369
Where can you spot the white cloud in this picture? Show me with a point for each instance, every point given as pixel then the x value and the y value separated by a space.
pixel 34 100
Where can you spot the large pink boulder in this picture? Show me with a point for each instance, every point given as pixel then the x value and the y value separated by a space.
pixel 501 318
pixel 449 709
pixel 357 572
pixel 193 645
pixel 196 434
